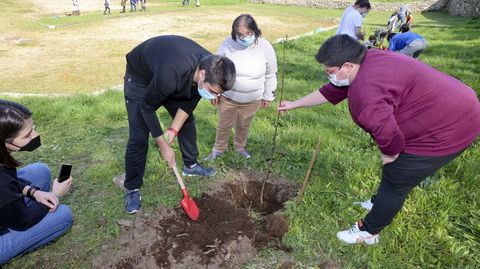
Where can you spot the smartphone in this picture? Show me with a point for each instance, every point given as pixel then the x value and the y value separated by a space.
pixel 65 171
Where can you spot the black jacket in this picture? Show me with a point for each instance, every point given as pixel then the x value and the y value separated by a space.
pixel 166 66
pixel 14 214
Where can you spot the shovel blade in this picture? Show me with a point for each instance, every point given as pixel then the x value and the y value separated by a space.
pixel 190 208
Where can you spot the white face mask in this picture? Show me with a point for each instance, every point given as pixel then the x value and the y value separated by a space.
pixel 339 83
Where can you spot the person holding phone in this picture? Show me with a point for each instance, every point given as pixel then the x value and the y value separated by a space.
pixel 30 214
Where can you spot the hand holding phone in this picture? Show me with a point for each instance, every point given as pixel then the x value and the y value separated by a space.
pixel 65 172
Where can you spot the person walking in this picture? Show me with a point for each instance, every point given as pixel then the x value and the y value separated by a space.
pixel 172 72
pixel 256 82
pixel 107 7
pixel 123 3
pixel 404 112
pixel 133 5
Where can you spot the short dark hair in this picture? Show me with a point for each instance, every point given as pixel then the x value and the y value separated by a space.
pixel 404 28
pixel 390 36
pixel 249 22
pixel 12 119
pixel 219 70
pixel 365 4
pixel 340 49
pixel 359 1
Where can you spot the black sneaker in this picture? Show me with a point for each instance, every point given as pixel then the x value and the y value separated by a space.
pixel 133 201
pixel 198 170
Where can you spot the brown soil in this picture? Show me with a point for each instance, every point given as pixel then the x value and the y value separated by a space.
pixel 232 226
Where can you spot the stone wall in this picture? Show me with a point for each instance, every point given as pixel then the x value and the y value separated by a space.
pixel 464 8
pixel 455 7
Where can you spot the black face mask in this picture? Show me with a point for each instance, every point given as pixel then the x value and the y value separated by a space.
pixel 30 146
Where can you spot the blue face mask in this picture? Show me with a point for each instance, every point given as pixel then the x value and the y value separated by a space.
pixel 246 41
pixel 206 94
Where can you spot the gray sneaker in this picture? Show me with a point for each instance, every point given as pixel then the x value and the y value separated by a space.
pixel 212 156
pixel 133 201
pixel 244 153
pixel 198 170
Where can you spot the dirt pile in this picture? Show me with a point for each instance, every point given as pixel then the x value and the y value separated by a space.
pixel 233 224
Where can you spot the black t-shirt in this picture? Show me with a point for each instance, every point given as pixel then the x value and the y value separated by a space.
pixel 166 65
pixel 14 214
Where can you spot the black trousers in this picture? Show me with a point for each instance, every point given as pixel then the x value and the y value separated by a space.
pixel 398 180
pixel 137 147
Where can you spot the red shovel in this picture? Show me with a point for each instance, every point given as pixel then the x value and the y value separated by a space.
pixel 187 203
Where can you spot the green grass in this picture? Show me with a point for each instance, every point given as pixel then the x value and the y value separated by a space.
pixel 439 226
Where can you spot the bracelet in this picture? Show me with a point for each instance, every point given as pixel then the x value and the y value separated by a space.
pixel 31 191
pixel 173 131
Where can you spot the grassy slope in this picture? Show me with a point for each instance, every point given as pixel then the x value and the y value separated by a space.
pixel 438 228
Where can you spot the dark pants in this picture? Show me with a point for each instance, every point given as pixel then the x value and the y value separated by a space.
pixel 137 147
pixel 398 180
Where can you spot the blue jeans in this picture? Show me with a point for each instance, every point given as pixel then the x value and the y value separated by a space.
pixel 50 227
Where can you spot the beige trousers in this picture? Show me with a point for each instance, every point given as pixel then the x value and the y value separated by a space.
pixel 232 113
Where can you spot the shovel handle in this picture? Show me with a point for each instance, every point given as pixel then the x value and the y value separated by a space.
pixel 179 178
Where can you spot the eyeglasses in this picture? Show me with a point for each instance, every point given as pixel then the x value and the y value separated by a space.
pixel 214 93
pixel 247 35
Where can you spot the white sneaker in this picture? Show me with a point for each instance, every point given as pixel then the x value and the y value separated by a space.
pixel 366 204
pixel 356 235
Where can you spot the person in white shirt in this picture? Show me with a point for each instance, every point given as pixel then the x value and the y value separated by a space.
pixel 352 23
pixel 256 82
pixel 346 11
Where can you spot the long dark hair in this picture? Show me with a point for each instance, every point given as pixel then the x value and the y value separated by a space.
pixel 12 119
pixel 249 22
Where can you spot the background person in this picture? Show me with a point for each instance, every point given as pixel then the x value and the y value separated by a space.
pixel 107 7
pixel 173 72
pixel 407 42
pixel 352 23
pixel 345 12
pixel 123 3
pixel 404 112
pixel 30 214
pixel 256 81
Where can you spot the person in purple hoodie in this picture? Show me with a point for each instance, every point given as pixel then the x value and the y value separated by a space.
pixel 421 119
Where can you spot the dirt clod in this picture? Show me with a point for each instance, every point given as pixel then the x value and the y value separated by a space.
pixel 232 225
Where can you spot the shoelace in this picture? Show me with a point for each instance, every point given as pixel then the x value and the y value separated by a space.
pixel 355 229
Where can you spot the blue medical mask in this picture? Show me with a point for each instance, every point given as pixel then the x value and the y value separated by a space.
pixel 339 83
pixel 246 41
pixel 364 14
pixel 204 93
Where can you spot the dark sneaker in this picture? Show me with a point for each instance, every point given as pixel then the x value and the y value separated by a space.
pixel 133 201
pixel 119 182
pixel 244 153
pixel 198 170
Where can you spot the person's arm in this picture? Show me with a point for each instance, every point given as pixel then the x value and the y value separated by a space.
pixel 270 74
pixel 379 121
pixel 392 44
pixel 18 217
pixel 358 20
pixel 358 32
pixel 328 93
pixel 312 99
pixel 160 88
pixel 177 124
